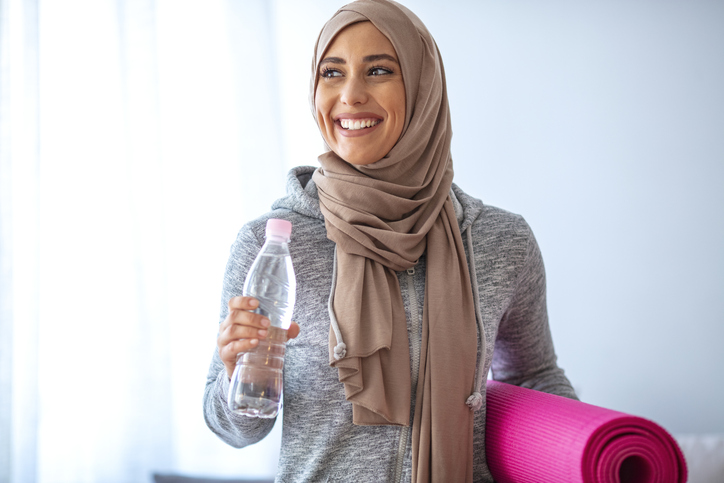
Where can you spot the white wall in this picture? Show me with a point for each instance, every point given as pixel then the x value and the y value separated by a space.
pixel 603 124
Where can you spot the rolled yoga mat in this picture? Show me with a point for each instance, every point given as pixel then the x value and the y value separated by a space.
pixel 531 436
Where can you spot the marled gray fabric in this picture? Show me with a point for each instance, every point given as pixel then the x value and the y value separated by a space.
pixel 319 441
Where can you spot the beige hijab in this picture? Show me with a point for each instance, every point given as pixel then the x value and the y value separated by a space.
pixel 383 217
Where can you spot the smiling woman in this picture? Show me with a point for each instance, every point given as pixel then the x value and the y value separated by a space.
pixel 360 96
pixel 406 280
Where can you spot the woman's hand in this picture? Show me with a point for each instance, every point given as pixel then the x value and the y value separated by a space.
pixel 242 329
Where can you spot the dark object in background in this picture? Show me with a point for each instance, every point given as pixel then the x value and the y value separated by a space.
pixel 159 478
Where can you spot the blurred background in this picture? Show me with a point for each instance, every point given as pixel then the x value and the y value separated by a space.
pixel 137 136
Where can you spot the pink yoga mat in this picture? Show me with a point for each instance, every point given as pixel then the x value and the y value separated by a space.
pixel 531 436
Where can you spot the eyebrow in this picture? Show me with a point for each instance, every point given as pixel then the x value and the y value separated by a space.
pixel 369 58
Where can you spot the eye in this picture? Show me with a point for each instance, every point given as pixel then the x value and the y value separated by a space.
pixel 329 72
pixel 375 71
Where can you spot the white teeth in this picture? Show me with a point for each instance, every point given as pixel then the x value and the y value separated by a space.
pixel 355 124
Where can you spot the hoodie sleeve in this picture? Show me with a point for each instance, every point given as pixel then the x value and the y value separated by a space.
pixel 236 430
pixel 524 353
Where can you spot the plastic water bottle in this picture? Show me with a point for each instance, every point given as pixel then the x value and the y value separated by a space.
pixel 256 385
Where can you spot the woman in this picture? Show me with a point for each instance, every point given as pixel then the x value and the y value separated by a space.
pixel 398 270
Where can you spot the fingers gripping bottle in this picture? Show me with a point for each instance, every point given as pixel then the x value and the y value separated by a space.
pixel 256 385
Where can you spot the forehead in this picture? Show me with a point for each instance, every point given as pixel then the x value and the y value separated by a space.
pixel 360 39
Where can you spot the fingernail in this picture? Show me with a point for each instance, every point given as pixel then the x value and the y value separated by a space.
pixel 254 341
pixel 262 333
pixel 253 302
pixel 265 322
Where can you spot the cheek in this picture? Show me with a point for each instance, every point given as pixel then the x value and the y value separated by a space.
pixel 322 111
pixel 320 120
pixel 399 113
pixel 321 101
pixel 396 106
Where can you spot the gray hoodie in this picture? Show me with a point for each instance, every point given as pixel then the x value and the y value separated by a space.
pixel 319 441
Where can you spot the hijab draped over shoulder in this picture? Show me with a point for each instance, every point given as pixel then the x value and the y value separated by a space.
pixel 383 217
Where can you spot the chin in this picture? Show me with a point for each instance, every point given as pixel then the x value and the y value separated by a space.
pixel 357 154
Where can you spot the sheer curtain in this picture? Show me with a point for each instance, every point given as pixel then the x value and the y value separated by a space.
pixel 135 138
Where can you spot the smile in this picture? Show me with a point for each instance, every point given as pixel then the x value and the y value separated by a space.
pixel 355 124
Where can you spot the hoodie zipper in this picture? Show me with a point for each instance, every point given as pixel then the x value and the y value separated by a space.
pixel 415 339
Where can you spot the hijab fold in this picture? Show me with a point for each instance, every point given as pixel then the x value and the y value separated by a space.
pixel 383 217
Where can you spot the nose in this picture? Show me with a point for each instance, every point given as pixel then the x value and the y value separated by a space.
pixel 354 91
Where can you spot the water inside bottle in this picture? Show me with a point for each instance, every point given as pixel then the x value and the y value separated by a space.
pixel 257 383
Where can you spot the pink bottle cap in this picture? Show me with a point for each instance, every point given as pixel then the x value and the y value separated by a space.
pixel 278 227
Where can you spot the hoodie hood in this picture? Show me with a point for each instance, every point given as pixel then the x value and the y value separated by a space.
pixel 302 198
